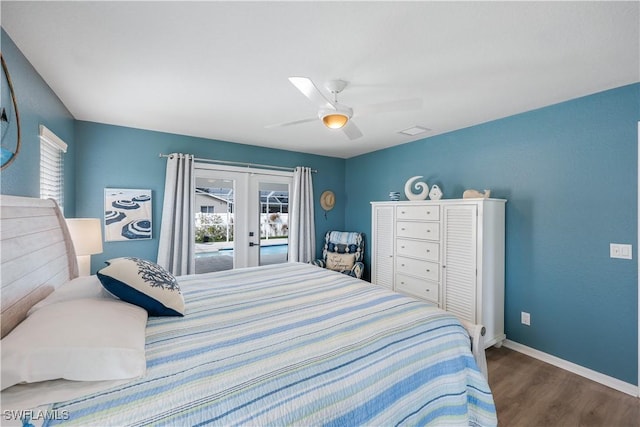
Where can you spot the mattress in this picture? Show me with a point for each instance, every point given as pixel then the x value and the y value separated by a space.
pixel 296 344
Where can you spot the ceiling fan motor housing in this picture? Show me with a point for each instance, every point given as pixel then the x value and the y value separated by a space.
pixel 335 86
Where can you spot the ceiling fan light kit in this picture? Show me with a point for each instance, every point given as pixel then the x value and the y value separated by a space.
pixel 335 119
pixel 338 116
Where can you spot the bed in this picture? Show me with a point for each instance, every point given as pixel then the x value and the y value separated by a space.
pixel 288 344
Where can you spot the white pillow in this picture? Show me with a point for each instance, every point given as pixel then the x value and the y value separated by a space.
pixel 80 287
pixel 340 262
pixel 81 340
pixel 143 283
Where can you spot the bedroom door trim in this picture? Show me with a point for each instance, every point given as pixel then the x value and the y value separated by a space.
pixel 247 225
pixel 638 256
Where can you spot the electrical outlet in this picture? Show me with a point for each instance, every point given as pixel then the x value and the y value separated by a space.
pixel 618 250
pixel 525 318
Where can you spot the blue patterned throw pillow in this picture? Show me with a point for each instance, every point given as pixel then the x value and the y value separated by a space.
pixel 143 283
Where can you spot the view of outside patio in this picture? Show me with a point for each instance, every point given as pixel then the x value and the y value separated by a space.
pixel 214 228
pixel 217 228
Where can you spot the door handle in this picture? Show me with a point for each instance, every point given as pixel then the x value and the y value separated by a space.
pixel 253 244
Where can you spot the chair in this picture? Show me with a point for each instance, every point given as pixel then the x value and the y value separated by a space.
pixel 344 252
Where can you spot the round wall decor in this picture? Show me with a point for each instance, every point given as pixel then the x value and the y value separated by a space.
pixel 327 200
pixel 9 119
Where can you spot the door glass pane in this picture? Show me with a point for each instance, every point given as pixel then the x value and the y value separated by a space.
pixel 274 222
pixel 214 224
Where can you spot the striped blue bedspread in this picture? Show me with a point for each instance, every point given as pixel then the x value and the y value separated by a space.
pixel 294 344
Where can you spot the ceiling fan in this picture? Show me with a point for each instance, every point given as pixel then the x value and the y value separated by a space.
pixel 338 116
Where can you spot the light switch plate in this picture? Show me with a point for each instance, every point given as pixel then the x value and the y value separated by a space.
pixel 619 250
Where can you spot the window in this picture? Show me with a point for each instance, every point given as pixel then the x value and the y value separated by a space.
pixel 207 209
pixel 51 166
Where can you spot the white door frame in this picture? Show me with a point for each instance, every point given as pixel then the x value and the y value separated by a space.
pixel 637 251
pixel 247 181
pixel 255 179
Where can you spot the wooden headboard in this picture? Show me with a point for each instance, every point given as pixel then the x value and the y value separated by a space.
pixel 36 255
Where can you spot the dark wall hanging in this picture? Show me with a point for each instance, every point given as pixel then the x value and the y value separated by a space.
pixel 9 119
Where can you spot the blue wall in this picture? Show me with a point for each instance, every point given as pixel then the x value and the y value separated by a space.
pixel 37 104
pixel 569 173
pixel 121 157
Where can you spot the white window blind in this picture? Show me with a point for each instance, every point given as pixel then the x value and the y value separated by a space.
pixel 52 149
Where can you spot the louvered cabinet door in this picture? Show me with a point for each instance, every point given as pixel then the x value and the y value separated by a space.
pixel 382 246
pixel 460 261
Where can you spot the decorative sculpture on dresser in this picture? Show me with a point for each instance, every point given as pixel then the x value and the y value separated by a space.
pixel 435 193
pixel 475 194
pixel 422 186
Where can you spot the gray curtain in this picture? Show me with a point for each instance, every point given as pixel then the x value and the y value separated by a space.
pixel 177 236
pixel 302 230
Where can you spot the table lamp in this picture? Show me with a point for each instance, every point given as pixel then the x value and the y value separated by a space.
pixel 86 234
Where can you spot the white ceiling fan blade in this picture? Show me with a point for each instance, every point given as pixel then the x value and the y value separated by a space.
pixel 308 89
pixel 295 122
pixel 385 107
pixel 351 130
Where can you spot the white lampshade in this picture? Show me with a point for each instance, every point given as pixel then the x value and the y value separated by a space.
pixel 86 234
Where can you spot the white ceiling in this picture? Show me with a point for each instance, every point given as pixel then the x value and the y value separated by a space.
pixel 219 69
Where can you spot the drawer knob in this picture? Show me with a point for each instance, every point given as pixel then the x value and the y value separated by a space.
pixel 428 270
pixel 402 246
pixel 427 250
pixel 428 231
pixel 427 290
pixel 428 212
pixel 402 229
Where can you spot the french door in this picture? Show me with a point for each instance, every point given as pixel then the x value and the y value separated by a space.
pixel 241 217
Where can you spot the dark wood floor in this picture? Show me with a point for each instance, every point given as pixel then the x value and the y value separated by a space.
pixel 529 392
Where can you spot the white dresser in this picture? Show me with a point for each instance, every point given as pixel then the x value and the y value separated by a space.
pixel 448 252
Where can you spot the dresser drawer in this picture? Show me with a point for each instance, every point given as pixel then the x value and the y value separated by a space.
pixel 418 249
pixel 416 267
pixel 417 287
pixel 418 230
pixel 429 213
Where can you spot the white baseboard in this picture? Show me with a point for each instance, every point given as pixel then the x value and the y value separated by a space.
pixel 606 380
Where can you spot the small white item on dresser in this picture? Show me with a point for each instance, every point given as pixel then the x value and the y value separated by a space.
pixel 422 186
pixel 435 193
pixel 475 194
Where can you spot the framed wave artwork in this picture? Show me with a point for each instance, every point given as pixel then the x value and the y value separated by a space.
pixel 127 214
